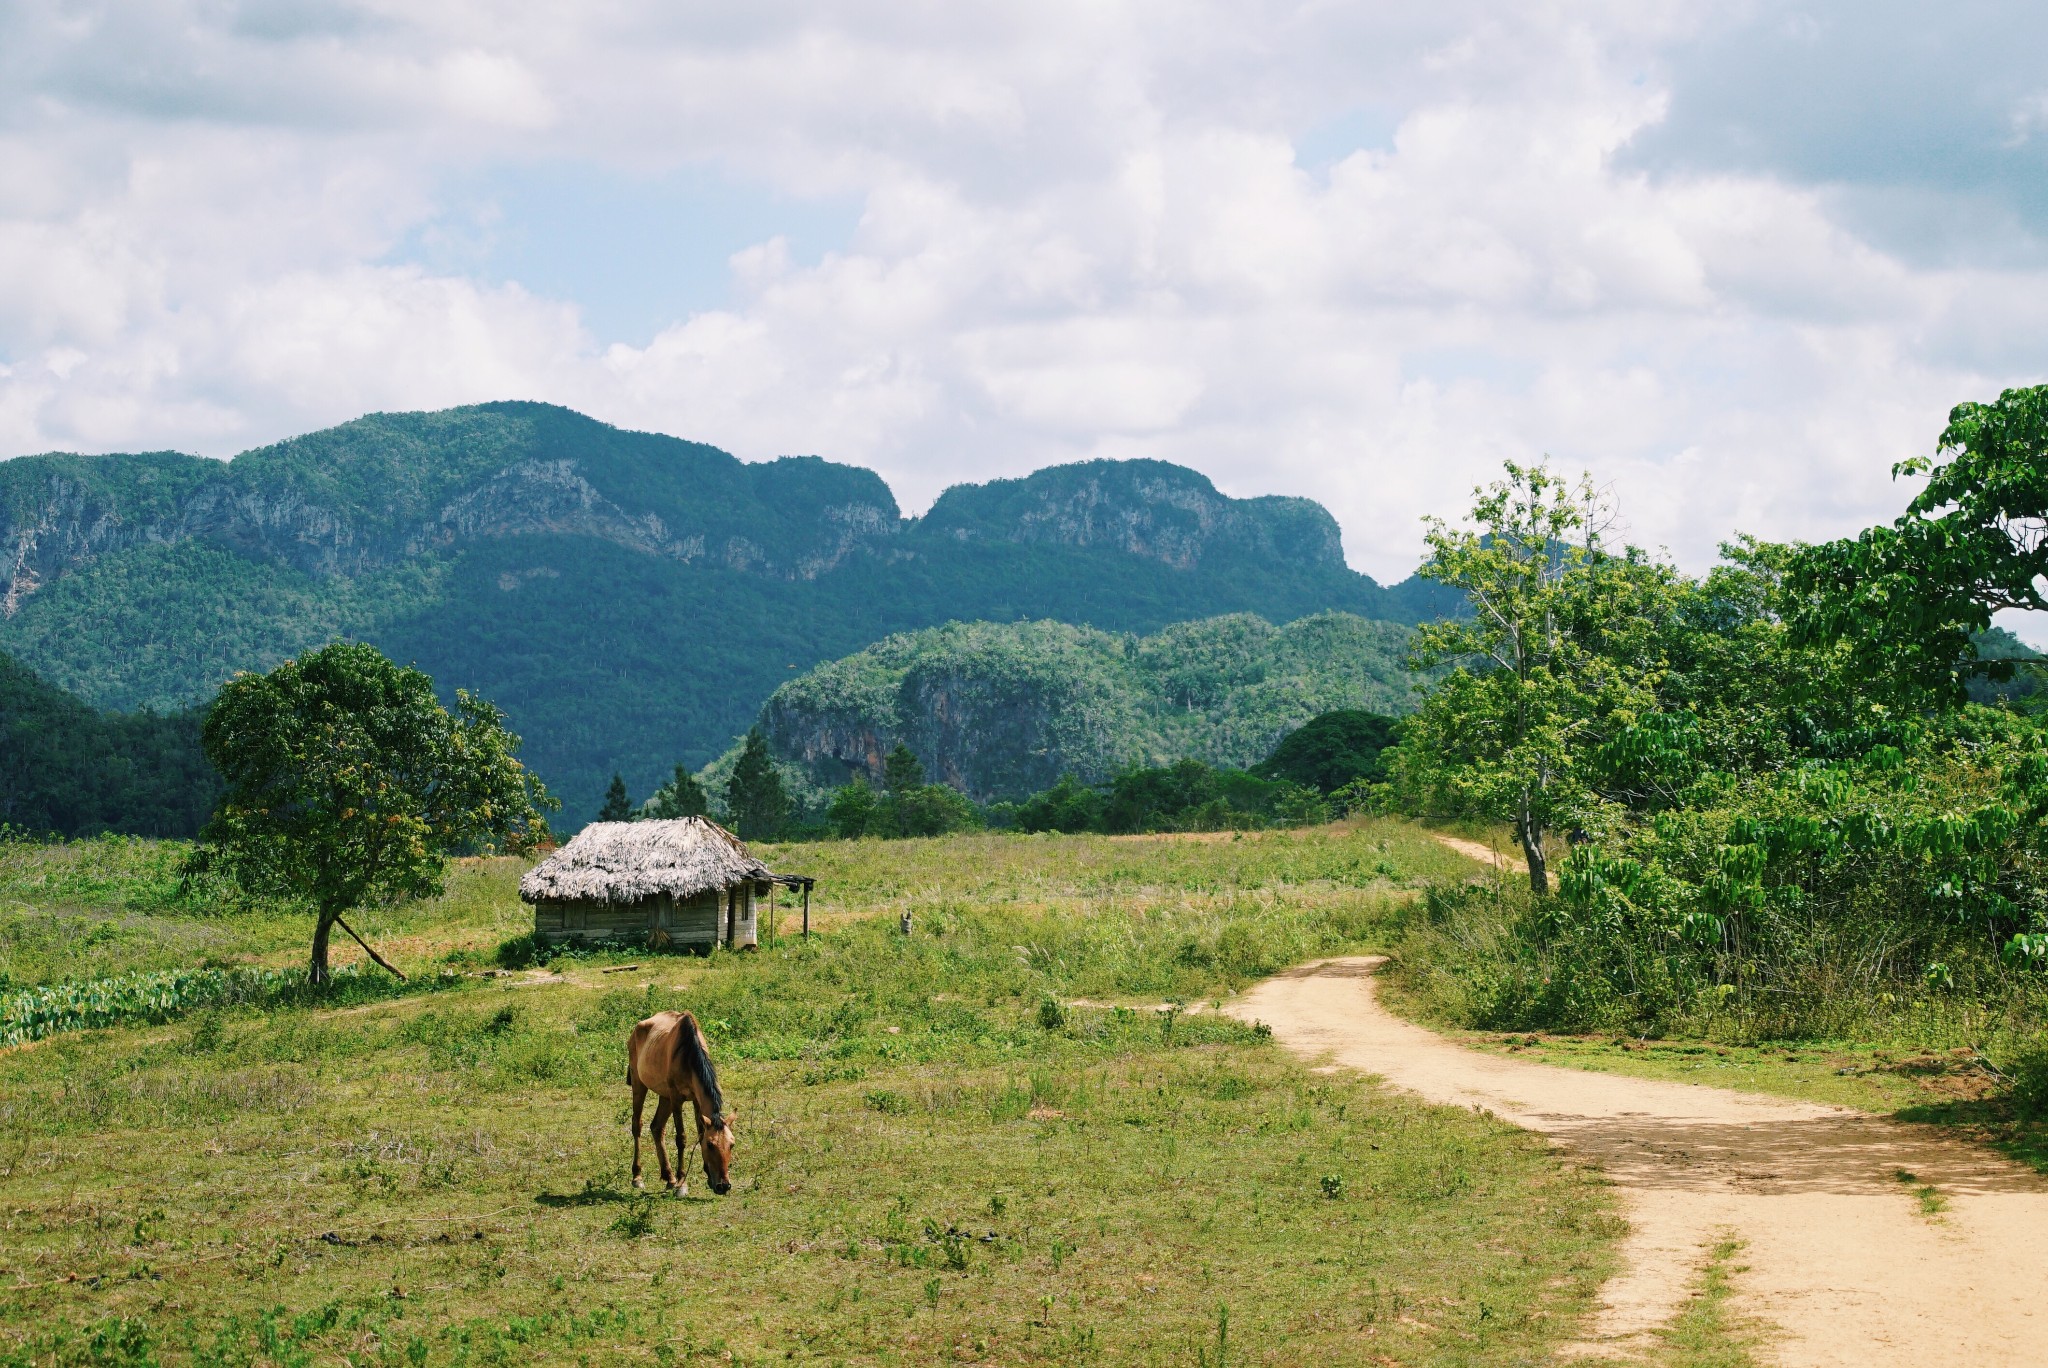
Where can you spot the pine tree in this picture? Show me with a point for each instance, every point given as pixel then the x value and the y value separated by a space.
pixel 902 770
pixel 681 796
pixel 754 795
pixel 617 806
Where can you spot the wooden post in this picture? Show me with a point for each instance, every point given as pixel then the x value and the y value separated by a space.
pixel 732 915
pixel 807 910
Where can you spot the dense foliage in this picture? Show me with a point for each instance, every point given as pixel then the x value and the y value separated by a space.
pixel 69 769
pixel 1780 813
pixel 348 783
pixel 1333 751
pixel 1185 796
pixel 628 598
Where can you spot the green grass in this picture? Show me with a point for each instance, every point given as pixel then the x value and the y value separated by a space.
pixel 931 1168
pixel 1707 1333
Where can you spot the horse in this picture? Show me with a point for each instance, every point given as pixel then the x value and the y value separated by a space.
pixel 666 1055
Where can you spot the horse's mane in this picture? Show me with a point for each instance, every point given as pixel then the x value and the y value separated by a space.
pixel 698 1062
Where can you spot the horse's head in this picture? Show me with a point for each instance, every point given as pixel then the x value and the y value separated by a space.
pixel 715 1133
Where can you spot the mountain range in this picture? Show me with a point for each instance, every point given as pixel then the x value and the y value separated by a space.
pixel 628 598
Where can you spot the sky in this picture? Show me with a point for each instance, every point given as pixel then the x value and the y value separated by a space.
pixel 1734 260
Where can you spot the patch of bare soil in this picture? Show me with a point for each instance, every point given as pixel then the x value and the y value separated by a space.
pixel 1485 854
pixel 1845 1259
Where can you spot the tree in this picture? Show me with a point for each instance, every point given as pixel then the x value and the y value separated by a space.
pixel 681 796
pixel 901 770
pixel 853 807
pixel 617 806
pixel 1332 750
pixel 1068 805
pixel 754 795
pixel 349 784
pixel 1552 655
pixel 1913 597
pixel 930 810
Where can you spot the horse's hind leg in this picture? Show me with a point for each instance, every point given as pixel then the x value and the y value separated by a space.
pixel 639 1097
pixel 663 1110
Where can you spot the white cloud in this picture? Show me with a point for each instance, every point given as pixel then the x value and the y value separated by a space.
pixel 1084 232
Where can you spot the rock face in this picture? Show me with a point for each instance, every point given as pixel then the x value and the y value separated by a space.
pixel 1001 710
pixel 1145 508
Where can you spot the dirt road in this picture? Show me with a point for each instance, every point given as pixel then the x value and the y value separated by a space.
pixel 1843 1264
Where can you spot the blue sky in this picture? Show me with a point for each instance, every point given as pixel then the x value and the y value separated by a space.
pixel 1733 259
pixel 636 251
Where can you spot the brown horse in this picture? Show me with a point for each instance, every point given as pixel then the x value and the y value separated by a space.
pixel 666 1055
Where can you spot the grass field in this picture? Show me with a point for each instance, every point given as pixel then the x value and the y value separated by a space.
pixel 1012 1136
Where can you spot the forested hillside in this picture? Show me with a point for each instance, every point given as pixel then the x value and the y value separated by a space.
pixel 629 599
pixel 1002 710
pixel 67 768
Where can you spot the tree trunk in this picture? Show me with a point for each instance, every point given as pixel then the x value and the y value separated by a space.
pixel 321 930
pixel 1530 830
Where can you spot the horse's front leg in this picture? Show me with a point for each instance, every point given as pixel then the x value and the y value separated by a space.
pixel 639 1100
pixel 663 1110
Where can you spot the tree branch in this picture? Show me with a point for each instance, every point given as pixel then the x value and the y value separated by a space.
pixel 368 951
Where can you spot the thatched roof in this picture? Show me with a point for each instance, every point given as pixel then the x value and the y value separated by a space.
pixel 627 861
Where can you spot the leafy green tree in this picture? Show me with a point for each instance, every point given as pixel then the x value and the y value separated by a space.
pixel 1068 805
pixel 754 795
pixel 617 806
pixel 1558 649
pixel 853 809
pixel 349 784
pixel 931 810
pixel 1913 597
pixel 901 769
pixel 1331 750
pixel 681 796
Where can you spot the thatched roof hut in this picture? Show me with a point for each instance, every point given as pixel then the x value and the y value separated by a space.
pixel 687 881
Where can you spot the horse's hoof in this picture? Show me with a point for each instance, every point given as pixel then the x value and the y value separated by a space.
pixel 639 1186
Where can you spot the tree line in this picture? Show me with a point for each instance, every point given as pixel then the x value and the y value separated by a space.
pixel 1812 764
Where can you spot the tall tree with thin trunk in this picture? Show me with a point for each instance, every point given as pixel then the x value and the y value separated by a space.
pixel 1544 666
pixel 349 785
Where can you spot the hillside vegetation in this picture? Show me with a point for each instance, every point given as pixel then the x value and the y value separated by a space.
pixel 628 598
pixel 1003 710
pixel 71 769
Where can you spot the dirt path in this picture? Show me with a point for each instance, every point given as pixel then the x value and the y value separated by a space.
pixel 1842 1262
pixel 1485 854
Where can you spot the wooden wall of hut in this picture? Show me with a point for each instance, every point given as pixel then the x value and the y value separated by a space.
pixel 697 922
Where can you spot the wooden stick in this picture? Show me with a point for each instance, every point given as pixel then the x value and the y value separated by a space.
pixel 618 969
pixel 368 951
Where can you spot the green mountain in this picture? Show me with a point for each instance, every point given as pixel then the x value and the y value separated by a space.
pixel 628 598
pixel 68 768
pixel 1002 710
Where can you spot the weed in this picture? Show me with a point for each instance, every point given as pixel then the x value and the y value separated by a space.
pixel 637 1219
